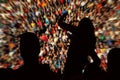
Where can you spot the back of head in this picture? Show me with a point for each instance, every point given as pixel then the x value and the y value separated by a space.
pixel 86 31
pixel 29 45
pixel 85 22
pixel 113 62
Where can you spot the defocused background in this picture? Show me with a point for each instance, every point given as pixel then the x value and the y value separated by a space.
pixel 41 16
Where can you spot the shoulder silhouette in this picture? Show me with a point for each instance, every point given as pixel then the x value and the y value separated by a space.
pixel 113 64
pixel 81 46
pixel 31 70
pixel 94 72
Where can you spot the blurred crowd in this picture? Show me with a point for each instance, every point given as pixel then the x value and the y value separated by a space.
pixel 41 17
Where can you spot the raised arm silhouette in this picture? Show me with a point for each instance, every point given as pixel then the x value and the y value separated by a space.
pixel 32 70
pixel 82 45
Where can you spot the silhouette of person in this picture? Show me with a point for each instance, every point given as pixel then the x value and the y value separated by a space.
pixel 31 69
pixel 81 46
pixel 113 68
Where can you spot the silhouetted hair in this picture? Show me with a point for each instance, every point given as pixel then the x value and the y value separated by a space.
pixel 113 64
pixel 29 44
pixel 86 29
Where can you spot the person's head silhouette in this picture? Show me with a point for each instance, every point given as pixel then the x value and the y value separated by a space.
pixel 29 47
pixel 86 32
pixel 113 68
